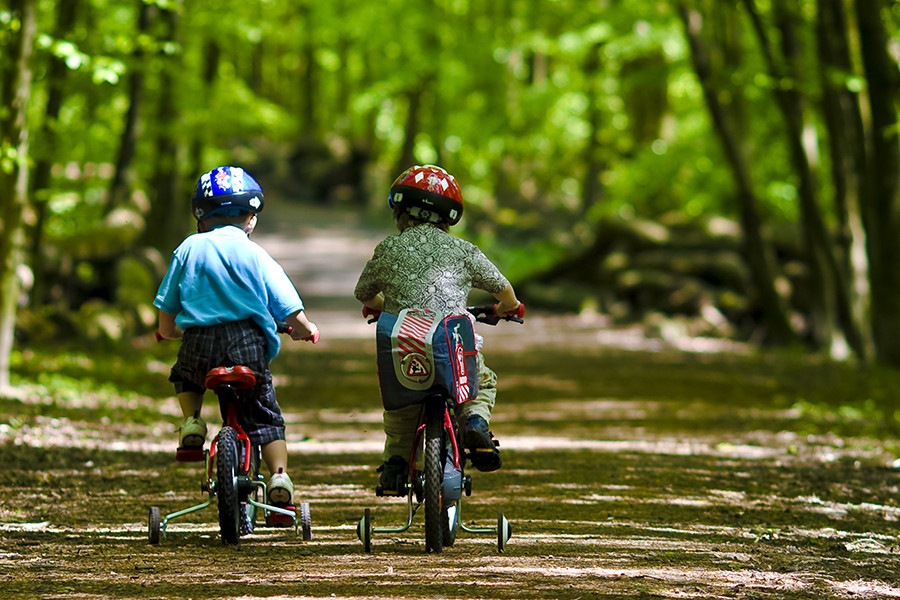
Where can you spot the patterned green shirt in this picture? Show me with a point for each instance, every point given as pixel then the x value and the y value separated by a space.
pixel 426 267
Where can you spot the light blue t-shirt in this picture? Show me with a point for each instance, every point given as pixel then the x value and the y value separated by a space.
pixel 222 276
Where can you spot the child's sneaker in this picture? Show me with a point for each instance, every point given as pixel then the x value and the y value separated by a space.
pixel 482 447
pixel 394 474
pixel 281 489
pixel 192 433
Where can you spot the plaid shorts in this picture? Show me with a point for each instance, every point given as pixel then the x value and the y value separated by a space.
pixel 227 345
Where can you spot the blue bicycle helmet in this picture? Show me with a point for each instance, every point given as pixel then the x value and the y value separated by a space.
pixel 226 190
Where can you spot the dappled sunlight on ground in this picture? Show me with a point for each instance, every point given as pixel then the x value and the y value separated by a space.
pixel 634 466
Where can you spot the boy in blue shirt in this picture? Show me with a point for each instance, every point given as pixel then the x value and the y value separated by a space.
pixel 222 295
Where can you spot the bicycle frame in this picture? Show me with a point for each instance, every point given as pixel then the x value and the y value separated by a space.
pixel 503 531
pixel 440 406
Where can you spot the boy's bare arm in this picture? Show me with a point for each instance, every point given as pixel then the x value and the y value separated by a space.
pixel 507 301
pixel 301 326
pixel 167 328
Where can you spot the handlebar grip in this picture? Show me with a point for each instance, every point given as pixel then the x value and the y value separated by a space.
pixel 314 338
pixel 518 313
pixel 370 314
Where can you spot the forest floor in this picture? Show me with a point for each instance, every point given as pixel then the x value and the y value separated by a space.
pixel 633 468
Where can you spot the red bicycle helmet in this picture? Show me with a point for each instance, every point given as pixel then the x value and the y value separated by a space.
pixel 427 193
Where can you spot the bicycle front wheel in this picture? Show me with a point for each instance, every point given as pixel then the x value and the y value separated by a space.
pixel 227 468
pixel 434 482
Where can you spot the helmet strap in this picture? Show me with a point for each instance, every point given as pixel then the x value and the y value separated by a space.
pixel 423 214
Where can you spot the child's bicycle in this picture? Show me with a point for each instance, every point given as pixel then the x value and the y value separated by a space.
pixel 440 486
pixel 236 482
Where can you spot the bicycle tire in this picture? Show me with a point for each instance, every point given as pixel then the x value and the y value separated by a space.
pixel 154 525
pixel 434 482
pixel 227 471
pixel 305 521
pixel 249 511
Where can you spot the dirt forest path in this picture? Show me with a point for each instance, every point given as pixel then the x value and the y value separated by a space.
pixel 633 468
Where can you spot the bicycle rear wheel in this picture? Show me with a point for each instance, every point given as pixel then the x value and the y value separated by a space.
pixel 227 470
pixel 434 482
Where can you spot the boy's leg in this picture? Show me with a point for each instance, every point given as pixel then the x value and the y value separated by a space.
pixel 192 433
pixel 275 455
pixel 400 435
pixel 400 431
pixel 281 488
pixel 475 418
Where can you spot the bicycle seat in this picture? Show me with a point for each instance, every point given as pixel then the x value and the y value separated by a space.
pixel 239 376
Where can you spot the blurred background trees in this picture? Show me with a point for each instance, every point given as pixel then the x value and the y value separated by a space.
pixel 731 167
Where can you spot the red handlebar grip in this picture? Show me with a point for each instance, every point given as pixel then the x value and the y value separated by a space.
pixel 314 338
pixel 370 312
pixel 519 312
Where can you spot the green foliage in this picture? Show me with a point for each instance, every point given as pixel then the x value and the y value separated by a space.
pixel 532 105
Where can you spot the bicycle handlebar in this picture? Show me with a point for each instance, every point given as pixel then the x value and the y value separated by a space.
pixel 488 314
pixel 280 327
pixel 283 327
pixel 482 314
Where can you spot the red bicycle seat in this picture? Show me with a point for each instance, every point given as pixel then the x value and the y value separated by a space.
pixel 239 376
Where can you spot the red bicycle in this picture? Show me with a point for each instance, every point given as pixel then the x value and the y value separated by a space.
pixel 235 482
pixel 439 487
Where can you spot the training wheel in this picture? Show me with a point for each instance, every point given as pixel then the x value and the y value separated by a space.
pixel 504 531
pixel 305 521
pixel 364 530
pixel 153 530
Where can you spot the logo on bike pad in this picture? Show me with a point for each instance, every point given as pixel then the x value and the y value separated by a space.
pixel 415 366
pixel 411 340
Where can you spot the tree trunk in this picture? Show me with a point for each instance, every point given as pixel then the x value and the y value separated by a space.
pixel 212 55
pixel 118 187
pixel 168 207
pixel 880 206
pixel 310 80
pixel 14 181
pixel 592 189
pixel 827 280
pixel 756 252
pixel 846 144
pixel 407 156
pixel 56 74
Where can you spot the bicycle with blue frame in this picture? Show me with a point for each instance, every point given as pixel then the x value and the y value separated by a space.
pixel 440 485
pixel 231 469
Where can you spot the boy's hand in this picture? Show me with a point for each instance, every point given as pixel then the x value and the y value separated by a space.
pixel 307 333
pixel 502 309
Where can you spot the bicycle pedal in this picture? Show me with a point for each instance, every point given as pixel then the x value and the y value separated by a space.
pixel 189 454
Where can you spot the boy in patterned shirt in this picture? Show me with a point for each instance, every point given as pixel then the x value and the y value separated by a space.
pixel 424 267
